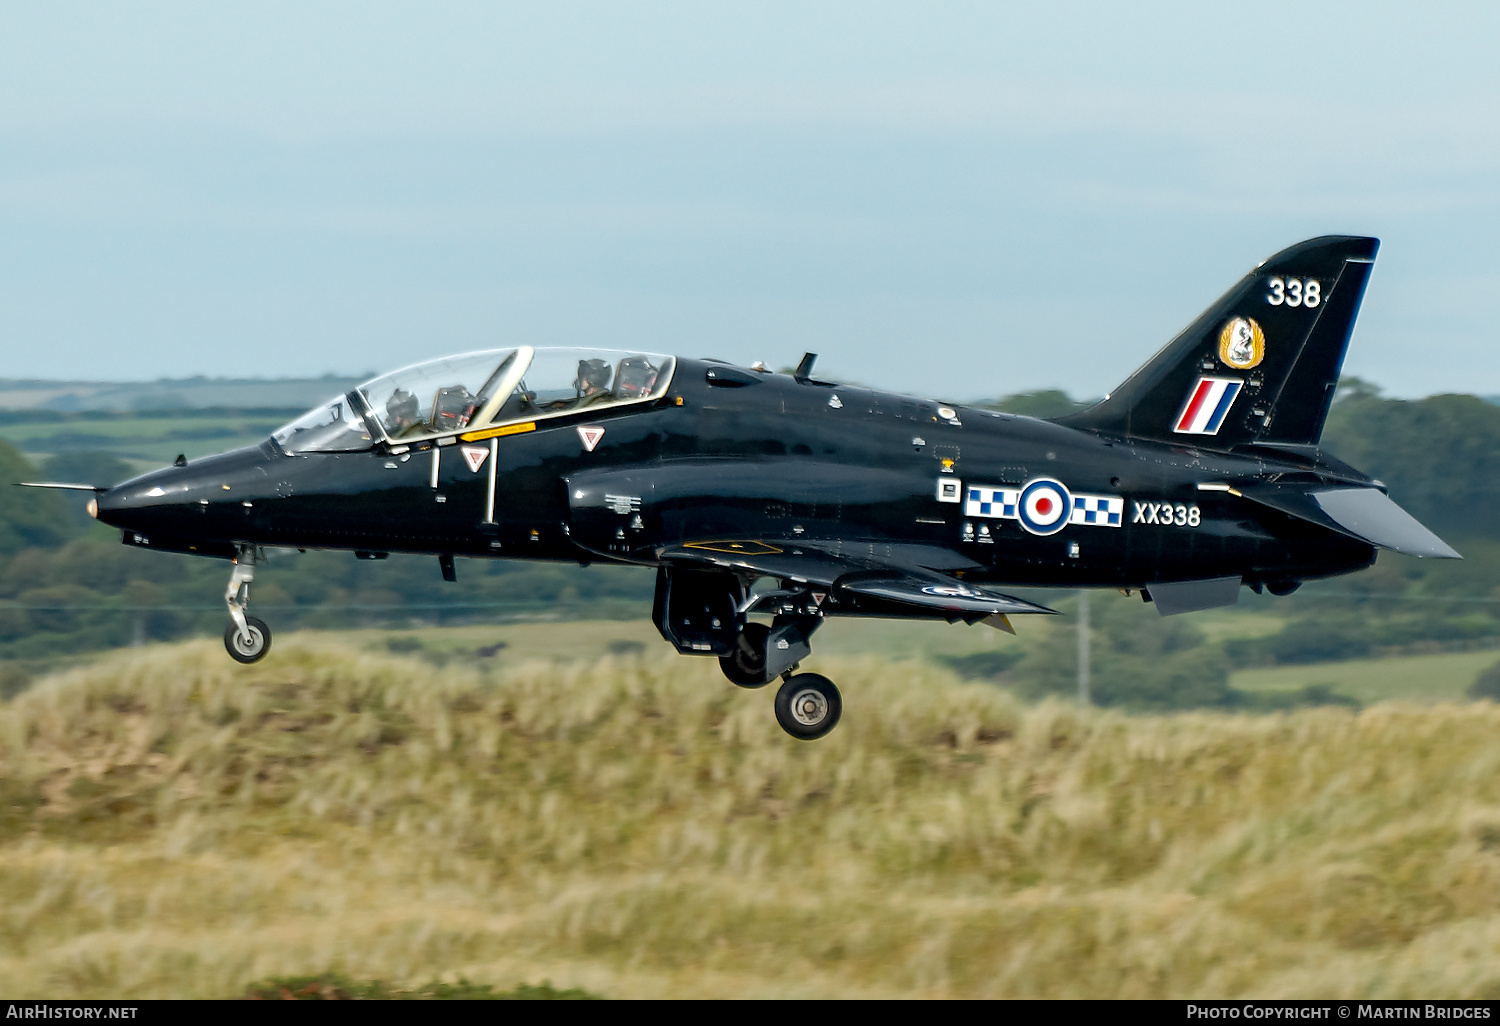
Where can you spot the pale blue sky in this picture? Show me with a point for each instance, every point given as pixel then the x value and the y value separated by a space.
pixel 954 199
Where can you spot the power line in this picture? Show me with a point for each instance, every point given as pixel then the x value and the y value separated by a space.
pixel 1399 596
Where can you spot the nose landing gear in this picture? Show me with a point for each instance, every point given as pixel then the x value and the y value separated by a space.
pixel 251 645
pixel 247 639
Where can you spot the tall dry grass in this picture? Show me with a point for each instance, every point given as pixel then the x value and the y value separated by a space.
pixel 173 824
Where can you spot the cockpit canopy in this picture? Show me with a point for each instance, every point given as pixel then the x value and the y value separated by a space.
pixel 477 390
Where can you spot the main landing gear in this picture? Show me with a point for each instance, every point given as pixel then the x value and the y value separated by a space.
pixel 808 705
pixel 703 612
pixel 247 638
pixel 745 665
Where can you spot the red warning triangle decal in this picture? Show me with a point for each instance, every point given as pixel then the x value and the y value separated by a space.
pixel 590 433
pixel 474 455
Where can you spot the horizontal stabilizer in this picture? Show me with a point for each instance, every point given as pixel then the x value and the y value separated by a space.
pixel 931 591
pixel 1367 514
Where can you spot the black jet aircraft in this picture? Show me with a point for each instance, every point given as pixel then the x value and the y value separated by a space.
pixel 790 499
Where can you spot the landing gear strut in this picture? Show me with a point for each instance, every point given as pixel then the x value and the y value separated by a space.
pixel 247 638
pixel 706 612
pixel 807 704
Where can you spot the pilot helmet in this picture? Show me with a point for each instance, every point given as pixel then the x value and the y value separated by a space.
pixel 637 377
pixel 451 407
pixel 401 407
pixel 593 376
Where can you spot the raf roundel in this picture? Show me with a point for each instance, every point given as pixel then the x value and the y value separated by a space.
pixel 1044 506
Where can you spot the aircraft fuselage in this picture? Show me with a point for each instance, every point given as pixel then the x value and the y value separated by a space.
pixel 760 496
pixel 757 456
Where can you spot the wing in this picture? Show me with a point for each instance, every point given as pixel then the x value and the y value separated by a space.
pixel 912 587
pixel 870 578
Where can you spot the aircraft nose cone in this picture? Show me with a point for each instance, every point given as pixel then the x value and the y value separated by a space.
pixel 107 506
pixel 203 499
pixel 133 503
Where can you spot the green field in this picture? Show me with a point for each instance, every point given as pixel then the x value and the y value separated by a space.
pixel 144 442
pixel 173 824
pixel 1441 677
pixel 589 640
pixel 1437 677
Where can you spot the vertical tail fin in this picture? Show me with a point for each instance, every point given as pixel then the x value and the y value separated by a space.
pixel 1260 365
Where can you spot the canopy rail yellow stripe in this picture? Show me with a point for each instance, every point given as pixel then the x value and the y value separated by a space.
pixel 499 432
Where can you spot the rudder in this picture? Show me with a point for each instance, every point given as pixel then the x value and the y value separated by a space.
pixel 1259 365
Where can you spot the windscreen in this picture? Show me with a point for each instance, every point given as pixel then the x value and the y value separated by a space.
pixel 333 427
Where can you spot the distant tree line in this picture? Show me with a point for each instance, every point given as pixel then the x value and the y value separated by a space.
pixel 1440 459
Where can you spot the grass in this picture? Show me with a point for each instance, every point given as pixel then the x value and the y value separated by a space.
pixel 1222 624
pixel 334 987
pixel 1439 677
pixel 1432 677
pixel 175 825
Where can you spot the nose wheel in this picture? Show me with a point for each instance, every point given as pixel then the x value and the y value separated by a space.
pixel 808 706
pixel 251 645
pixel 247 638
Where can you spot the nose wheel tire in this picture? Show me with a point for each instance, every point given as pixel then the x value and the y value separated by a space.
pixel 251 646
pixel 808 706
pixel 746 665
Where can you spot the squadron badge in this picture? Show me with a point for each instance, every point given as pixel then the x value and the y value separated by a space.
pixel 1242 344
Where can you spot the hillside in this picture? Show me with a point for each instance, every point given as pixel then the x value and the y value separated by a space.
pixel 170 393
pixel 174 824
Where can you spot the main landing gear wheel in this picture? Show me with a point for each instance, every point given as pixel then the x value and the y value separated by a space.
pixel 808 706
pixel 746 665
pixel 253 644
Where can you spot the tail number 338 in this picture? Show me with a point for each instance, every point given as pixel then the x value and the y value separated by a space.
pixel 1168 514
pixel 1306 292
